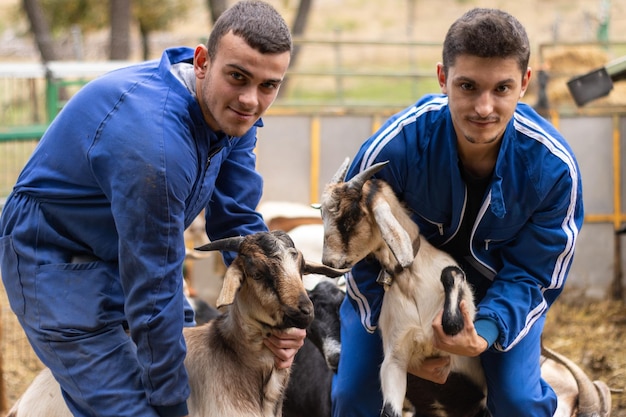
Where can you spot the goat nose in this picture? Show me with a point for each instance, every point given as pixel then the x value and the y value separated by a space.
pixel 305 305
pixel 329 259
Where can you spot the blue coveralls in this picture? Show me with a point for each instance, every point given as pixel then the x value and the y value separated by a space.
pixel 91 238
pixel 520 251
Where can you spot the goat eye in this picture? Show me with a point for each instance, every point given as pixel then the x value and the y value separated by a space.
pixel 258 275
pixel 256 271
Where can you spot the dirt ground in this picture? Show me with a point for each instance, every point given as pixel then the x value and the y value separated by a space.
pixel 592 333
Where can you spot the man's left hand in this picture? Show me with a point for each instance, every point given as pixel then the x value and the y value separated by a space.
pixel 465 343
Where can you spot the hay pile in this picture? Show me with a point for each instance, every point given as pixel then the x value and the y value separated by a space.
pixel 592 334
pixel 563 63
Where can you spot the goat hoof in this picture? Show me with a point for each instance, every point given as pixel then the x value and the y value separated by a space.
pixel 388 411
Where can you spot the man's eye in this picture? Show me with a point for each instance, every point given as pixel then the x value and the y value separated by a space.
pixel 467 86
pixel 269 86
pixel 236 76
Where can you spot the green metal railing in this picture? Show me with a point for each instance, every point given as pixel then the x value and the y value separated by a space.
pixel 31 95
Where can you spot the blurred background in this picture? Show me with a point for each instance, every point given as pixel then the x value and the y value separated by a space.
pixel 385 52
pixel 355 63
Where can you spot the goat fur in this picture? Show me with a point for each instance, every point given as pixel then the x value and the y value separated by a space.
pixel 381 226
pixel 231 372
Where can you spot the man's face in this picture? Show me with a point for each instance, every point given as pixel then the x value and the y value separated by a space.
pixel 237 87
pixel 482 95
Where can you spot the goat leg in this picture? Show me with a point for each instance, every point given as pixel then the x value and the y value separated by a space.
pixel 393 383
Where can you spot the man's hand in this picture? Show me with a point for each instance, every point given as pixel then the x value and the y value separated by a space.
pixel 435 369
pixel 284 344
pixel 465 343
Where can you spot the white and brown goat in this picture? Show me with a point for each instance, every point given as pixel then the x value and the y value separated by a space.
pixel 231 372
pixel 363 217
pixel 576 393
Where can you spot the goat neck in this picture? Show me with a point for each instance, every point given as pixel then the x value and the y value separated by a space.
pixel 243 329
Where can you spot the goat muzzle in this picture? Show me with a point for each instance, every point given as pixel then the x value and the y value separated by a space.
pixel 300 316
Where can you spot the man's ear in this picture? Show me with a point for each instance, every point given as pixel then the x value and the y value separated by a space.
pixel 201 60
pixel 525 82
pixel 441 77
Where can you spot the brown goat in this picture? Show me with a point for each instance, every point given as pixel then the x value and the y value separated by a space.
pixel 231 372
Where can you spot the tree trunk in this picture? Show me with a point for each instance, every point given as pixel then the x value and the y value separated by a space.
pixel 297 30
pixel 145 44
pixel 216 7
pixel 41 29
pixel 120 30
pixel 299 26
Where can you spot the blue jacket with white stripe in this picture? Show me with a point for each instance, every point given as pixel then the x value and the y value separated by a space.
pixel 525 232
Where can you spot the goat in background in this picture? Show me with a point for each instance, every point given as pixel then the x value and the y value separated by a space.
pixel 308 392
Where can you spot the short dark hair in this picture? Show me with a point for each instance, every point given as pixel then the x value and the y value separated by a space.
pixel 258 23
pixel 486 33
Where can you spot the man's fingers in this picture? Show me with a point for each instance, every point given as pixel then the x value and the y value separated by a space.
pixel 469 323
pixel 284 344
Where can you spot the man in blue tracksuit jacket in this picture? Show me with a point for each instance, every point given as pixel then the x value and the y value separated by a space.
pixel 490 181
pixel 92 234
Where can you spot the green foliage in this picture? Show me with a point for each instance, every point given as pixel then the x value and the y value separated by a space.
pixel 88 15
pixel 375 90
pixel 158 15
pixel 92 15
pixel 344 25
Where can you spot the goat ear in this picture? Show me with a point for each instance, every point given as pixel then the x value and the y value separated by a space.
pixel 232 282
pixel 317 268
pixel 393 233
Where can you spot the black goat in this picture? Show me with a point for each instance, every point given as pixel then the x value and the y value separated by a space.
pixel 308 391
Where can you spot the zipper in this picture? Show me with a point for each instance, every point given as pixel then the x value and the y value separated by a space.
pixel 211 155
pixel 439 226
pixel 218 148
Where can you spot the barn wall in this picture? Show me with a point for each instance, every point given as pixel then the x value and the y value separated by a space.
pixel 286 145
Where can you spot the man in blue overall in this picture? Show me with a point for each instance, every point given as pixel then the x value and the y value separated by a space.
pixel 491 182
pixel 92 243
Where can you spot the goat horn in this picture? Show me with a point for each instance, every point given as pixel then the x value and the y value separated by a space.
pixel 341 172
pixel 589 402
pixel 359 179
pixel 311 267
pixel 229 244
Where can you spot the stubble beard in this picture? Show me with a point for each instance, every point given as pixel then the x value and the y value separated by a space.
pixel 473 140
